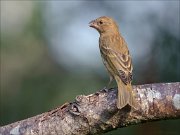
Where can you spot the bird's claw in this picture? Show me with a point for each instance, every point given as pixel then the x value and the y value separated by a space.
pixel 104 89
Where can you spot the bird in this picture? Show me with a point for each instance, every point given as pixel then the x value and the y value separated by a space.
pixel 116 58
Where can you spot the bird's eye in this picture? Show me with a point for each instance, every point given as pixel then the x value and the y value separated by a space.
pixel 101 22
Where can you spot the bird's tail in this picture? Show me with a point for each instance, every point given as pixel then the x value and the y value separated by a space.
pixel 125 95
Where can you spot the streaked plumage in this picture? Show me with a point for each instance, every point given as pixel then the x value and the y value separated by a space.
pixel 116 58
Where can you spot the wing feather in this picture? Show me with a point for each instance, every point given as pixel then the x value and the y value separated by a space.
pixel 120 63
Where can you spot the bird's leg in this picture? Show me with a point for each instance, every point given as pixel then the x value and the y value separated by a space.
pixel 106 87
pixel 110 81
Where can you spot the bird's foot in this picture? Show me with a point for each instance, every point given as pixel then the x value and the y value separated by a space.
pixel 105 89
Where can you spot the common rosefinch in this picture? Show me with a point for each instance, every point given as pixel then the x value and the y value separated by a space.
pixel 116 58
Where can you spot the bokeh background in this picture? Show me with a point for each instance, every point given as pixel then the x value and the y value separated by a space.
pixel 49 54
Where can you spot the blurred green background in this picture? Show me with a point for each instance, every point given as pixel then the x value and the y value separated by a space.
pixel 49 55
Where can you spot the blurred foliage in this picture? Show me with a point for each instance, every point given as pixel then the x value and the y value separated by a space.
pixel 163 62
pixel 32 82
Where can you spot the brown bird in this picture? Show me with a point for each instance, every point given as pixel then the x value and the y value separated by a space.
pixel 116 58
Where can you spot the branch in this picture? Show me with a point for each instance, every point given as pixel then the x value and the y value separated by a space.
pixel 97 113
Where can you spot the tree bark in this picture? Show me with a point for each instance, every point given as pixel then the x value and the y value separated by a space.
pixel 97 113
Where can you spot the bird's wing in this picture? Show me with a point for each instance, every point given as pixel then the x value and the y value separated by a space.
pixel 120 63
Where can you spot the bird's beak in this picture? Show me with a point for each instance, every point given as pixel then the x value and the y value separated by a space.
pixel 93 24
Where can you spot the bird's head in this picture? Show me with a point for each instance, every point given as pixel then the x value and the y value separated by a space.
pixel 104 24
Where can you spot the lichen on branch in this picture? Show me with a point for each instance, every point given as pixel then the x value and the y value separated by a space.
pixel 97 113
